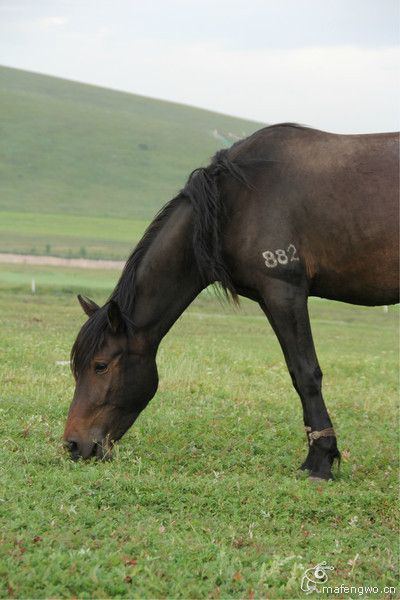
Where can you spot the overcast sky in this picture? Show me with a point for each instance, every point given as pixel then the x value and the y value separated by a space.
pixel 332 64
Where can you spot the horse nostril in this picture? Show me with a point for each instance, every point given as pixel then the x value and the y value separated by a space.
pixel 73 448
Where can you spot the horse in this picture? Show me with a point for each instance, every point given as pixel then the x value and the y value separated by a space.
pixel 286 213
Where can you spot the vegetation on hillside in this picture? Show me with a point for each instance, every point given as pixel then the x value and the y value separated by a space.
pixel 68 148
pixel 72 148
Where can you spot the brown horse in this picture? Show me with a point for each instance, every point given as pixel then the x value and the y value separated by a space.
pixel 286 213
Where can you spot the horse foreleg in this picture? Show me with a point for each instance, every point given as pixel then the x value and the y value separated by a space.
pixel 286 308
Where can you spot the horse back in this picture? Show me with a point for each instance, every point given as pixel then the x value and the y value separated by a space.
pixel 333 198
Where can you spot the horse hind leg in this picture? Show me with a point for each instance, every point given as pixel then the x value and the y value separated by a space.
pixel 286 308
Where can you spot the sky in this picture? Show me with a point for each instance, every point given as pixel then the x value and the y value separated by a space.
pixel 332 64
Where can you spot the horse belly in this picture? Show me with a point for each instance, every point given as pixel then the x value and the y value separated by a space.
pixel 368 275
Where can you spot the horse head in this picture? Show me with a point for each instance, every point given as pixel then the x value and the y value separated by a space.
pixel 115 375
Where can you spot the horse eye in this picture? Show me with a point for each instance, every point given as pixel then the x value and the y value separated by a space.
pixel 100 368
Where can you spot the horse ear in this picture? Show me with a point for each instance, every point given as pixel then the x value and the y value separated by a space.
pixel 88 305
pixel 114 315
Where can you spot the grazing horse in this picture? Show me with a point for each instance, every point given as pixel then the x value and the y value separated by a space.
pixel 284 214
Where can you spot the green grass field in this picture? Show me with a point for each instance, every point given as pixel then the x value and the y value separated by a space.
pixel 69 149
pixel 69 235
pixel 202 499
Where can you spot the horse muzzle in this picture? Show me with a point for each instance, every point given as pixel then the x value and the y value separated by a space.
pixel 93 447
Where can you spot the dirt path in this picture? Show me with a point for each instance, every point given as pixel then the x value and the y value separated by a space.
pixel 55 261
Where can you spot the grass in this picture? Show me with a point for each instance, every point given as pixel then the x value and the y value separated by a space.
pixel 18 278
pixel 83 168
pixel 66 235
pixel 68 147
pixel 202 498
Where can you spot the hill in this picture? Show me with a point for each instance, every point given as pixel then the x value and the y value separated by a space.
pixel 73 149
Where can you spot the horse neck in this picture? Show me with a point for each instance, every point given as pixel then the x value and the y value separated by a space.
pixel 167 278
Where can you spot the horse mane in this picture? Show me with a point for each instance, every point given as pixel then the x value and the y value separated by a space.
pixel 124 291
pixel 202 189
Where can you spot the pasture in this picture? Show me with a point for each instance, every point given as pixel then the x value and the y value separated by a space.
pixel 202 498
pixel 69 235
pixel 71 148
pixel 84 168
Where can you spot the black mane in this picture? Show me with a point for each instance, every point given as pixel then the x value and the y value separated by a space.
pixel 203 191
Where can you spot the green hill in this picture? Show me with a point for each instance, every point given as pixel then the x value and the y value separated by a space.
pixel 68 148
